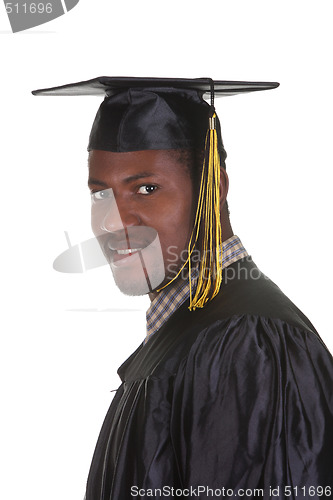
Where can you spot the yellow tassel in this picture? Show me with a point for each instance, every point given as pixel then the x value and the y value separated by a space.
pixel 208 221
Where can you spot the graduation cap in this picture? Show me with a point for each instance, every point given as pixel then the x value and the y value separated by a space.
pixel 170 113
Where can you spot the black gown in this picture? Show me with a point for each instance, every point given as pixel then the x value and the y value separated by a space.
pixel 236 396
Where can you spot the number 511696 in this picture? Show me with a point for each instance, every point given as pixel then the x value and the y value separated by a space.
pixel 29 8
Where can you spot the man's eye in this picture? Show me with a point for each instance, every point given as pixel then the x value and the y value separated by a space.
pixel 146 189
pixel 100 195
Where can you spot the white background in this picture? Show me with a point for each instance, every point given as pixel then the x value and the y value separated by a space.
pixel 63 336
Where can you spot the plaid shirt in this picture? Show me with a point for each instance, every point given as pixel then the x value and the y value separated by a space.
pixel 172 297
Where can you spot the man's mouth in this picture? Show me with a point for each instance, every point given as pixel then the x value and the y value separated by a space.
pixel 123 244
pixel 135 257
pixel 124 248
pixel 128 251
pixel 121 252
pixel 123 256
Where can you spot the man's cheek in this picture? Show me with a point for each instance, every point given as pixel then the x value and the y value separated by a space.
pixel 174 260
pixel 172 256
pixel 171 261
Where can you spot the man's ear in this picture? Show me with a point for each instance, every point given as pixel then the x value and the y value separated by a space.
pixel 224 186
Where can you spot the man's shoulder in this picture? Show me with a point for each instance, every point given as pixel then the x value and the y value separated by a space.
pixel 249 318
pixel 247 291
pixel 249 310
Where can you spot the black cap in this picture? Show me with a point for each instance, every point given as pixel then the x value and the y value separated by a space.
pixel 154 113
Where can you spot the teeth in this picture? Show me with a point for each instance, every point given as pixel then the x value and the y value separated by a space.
pixel 127 251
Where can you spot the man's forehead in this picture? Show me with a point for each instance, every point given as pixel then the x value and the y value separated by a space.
pixel 136 165
pixel 138 159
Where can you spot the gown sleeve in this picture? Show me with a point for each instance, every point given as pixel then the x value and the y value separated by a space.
pixel 252 410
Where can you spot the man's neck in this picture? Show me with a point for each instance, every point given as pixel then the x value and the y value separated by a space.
pixel 227 233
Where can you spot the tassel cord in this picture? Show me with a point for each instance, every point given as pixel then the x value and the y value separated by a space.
pixel 207 221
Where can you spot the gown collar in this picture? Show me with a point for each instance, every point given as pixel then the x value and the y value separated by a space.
pixel 171 298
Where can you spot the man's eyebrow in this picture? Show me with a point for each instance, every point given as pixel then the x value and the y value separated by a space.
pixel 127 180
pixel 96 182
pixel 136 177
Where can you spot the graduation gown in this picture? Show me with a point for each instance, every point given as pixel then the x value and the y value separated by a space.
pixel 237 395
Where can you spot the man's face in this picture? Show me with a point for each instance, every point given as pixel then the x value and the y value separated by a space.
pixel 137 196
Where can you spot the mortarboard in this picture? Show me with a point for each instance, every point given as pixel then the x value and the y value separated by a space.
pixel 152 113
pixel 169 113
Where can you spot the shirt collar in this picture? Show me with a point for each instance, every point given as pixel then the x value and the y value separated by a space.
pixel 172 297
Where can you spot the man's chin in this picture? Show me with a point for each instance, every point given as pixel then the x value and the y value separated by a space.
pixel 135 280
pixel 132 288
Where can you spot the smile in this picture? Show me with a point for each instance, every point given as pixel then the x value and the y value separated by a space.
pixel 123 258
pixel 125 246
pixel 128 251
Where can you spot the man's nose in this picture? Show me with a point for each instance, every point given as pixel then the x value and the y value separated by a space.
pixel 113 215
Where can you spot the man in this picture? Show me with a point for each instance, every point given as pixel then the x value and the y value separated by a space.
pixel 231 392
